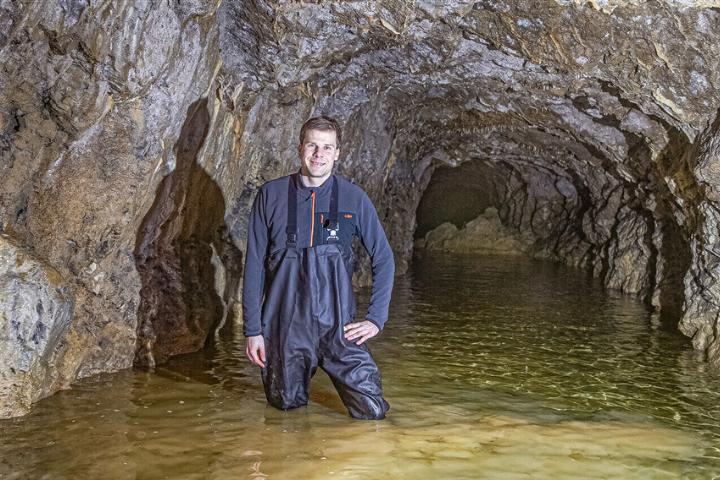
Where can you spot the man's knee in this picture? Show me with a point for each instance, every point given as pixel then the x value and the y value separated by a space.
pixel 282 399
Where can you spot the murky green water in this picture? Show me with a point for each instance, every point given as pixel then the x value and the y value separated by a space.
pixel 495 368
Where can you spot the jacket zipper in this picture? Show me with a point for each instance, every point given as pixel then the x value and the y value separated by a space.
pixel 312 217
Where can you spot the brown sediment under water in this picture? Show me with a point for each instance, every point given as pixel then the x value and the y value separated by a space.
pixel 495 367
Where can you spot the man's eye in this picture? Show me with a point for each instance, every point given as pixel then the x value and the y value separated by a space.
pixel 328 148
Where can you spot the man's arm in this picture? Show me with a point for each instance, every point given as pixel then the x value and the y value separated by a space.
pixel 254 281
pixel 375 242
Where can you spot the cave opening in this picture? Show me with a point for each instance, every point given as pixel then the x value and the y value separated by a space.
pixel 458 195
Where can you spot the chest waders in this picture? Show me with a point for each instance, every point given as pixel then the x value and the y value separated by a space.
pixel 308 300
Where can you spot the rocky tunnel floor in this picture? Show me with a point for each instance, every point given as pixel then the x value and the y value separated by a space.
pixel 495 367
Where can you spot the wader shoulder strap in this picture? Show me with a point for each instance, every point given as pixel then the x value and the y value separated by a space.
pixel 333 214
pixel 291 228
pixel 332 223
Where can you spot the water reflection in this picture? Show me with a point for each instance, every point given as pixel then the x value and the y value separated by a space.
pixel 495 368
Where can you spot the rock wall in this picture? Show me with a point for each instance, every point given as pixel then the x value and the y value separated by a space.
pixel 92 102
pixel 133 137
pixel 701 316
pixel 36 311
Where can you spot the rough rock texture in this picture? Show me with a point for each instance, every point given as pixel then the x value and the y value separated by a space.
pixel 701 319
pixel 92 102
pixel 484 234
pixel 35 314
pixel 134 135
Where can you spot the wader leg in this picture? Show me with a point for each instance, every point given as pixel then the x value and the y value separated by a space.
pixel 287 379
pixel 291 338
pixel 356 378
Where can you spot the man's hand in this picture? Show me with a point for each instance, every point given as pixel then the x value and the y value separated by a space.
pixel 363 330
pixel 255 350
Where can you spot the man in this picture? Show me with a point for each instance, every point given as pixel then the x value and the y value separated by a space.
pixel 298 303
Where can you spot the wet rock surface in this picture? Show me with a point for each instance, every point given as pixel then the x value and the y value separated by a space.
pixel 36 306
pixel 134 137
pixel 485 234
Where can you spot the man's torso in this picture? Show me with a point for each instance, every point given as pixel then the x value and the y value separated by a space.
pixel 313 208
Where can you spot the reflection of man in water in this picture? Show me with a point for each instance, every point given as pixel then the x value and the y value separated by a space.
pixel 298 301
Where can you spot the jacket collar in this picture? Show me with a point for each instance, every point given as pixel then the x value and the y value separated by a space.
pixel 321 190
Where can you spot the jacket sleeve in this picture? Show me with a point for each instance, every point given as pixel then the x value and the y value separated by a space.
pixel 254 275
pixel 375 242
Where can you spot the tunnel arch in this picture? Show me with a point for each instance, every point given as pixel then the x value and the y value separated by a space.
pixel 592 126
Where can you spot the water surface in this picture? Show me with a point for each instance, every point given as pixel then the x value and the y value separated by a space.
pixel 494 368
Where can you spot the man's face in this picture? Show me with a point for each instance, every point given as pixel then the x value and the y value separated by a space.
pixel 318 153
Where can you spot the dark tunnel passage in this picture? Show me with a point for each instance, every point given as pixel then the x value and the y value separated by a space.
pixel 484 207
pixel 458 195
pixel 591 196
